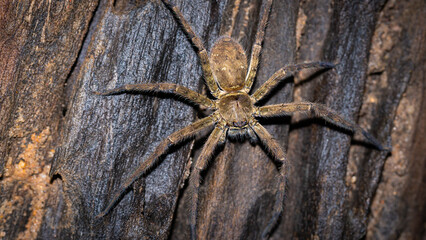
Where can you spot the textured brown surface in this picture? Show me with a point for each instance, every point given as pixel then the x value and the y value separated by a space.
pixel 39 43
pixel 54 53
pixel 398 210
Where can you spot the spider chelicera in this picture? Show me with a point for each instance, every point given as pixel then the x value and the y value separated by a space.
pixel 229 79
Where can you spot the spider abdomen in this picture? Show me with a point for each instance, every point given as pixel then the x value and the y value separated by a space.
pixel 229 64
pixel 236 109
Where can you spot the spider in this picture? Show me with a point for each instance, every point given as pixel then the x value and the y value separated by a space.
pixel 229 78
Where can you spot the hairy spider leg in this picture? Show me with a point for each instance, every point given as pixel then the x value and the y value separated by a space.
pixel 279 154
pixel 161 149
pixel 318 110
pixel 283 73
pixel 194 180
pixel 202 52
pixel 257 48
pixel 170 88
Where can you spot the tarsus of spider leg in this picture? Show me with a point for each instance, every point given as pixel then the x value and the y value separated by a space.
pixel 200 164
pixel 283 73
pixel 275 149
pixel 174 138
pixel 169 88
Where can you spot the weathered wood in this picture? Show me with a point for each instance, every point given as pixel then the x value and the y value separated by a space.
pixel 46 80
pixel 397 80
pixel 106 138
pixel 240 184
pixel 341 32
pixel 39 43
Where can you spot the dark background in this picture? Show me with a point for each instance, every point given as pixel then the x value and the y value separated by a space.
pixel 54 53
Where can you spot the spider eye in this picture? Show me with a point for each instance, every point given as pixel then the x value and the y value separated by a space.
pixel 239 123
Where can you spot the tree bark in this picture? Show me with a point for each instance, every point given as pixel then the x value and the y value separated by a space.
pixel 54 54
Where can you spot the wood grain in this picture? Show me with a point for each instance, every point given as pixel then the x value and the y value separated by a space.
pixel 53 54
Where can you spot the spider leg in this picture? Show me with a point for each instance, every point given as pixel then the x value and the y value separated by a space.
pixel 173 139
pixel 171 88
pixel 283 73
pixel 257 48
pixel 202 52
pixel 215 137
pixel 318 110
pixel 273 146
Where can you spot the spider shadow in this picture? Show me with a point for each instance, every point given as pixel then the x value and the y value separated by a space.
pixel 183 195
pixel 290 79
pixel 160 95
pixel 313 75
pixel 312 121
pixel 171 150
pixel 198 145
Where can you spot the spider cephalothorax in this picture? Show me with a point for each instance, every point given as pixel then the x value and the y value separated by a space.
pixel 236 110
pixel 229 79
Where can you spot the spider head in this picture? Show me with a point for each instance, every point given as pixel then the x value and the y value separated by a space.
pixel 229 64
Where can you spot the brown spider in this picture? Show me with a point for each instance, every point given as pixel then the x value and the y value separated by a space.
pixel 229 80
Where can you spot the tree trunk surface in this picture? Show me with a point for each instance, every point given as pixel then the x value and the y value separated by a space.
pixel 65 151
